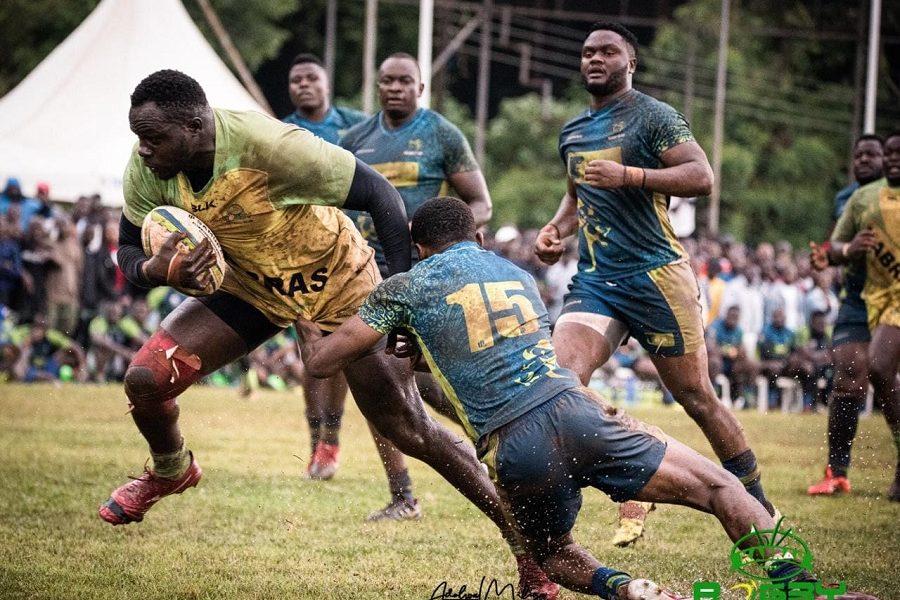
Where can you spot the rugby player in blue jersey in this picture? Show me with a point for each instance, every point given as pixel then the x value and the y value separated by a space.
pixel 624 156
pixel 850 341
pixel 483 331
pixel 422 154
pixel 310 92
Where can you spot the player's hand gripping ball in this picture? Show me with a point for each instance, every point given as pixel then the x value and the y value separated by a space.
pixel 183 252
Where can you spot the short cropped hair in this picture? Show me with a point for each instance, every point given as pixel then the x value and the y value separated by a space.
pixel 869 137
pixel 443 221
pixel 177 94
pixel 405 56
pixel 623 31
pixel 892 135
pixel 305 57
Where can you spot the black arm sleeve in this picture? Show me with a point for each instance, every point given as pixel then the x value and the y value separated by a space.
pixel 370 192
pixel 130 254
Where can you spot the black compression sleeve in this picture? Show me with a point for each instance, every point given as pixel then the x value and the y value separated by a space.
pixel 130 254
pixel 370 192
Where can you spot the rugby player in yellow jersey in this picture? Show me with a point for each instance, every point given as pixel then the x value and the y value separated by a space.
pixel 870 228
pixel 269 192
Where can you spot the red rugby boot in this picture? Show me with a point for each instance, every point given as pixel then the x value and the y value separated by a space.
pixel 830 485
pixel 533 582
pixel 129 502
pixel 324 461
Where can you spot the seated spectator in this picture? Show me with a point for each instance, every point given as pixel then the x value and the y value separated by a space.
pixel 47 354
pixel 776 345
pixel 115 338
pixel 9 349
pixel 727 354
pixel 813 361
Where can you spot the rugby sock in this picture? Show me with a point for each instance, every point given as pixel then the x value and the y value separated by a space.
pixel 172 465
pixel 314 433
pixel 606 581
pixel 787 570
pixel 401 486
pixel 331 429
pixel 843 420
pixel 743 466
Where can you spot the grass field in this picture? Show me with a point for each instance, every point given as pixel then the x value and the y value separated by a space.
pixel 254 529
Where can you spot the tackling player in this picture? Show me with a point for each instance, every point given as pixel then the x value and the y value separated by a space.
pixel 310 92
pixel 269 192
pixel 850 341
pixel 421 154
pixel 483 331
pixel 869 228
pixel 624 157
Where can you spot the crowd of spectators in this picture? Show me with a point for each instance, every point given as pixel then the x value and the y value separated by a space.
pixel 67 312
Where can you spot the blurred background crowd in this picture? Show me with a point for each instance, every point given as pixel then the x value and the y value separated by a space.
pixel 68 314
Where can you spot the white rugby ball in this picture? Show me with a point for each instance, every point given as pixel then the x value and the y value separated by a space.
pixel 162 221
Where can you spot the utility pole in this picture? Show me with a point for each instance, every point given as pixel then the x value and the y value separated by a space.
pixel 859 68
pixel 330 37
pixel 689 74
pixel 426 30
pixel 872 72
pixel 484 74
pixel 719 122
pixel 371 32
pixel 233 55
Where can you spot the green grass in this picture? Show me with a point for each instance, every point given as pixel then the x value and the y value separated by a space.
pixel 254 529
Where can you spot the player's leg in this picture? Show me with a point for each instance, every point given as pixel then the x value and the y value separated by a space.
pixel 196 339
pixel 851 381
pixel 402 504
pixel 884 358
pixel 385 391
pixel 324 399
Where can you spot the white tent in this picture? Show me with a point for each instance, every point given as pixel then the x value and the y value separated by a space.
pixel 67 122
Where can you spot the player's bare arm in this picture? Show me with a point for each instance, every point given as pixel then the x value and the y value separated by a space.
pixel 549 243
pixel 685 172
pixel 473 190
pixel 327 356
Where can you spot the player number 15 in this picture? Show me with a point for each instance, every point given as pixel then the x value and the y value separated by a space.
pixel 481 301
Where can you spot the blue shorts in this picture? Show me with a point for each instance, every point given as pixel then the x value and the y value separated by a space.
pixel 852 324
pixel 660 308
pixel 541 460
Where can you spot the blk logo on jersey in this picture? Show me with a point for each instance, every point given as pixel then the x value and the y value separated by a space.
pixel 205 205
pixel 296 283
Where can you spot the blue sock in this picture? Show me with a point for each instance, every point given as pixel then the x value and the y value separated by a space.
pixel 784 571
pixel 606 581
pixel 743 466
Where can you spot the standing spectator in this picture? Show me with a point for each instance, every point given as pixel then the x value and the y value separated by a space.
pixel 11 268
pixel 64 278
pixel 98 275
pixel 37 251
pixel 12 196
pixel 559 276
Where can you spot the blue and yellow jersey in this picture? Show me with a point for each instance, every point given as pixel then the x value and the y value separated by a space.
pixel 854 273
pixel 482 329
pixel 728 340
pixel 625 231
pixel 417 158
pixel 776 343
pixel 336 123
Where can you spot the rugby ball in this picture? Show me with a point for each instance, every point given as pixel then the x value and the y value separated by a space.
pixel 162 221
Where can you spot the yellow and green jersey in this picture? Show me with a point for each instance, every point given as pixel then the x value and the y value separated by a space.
pixel 877 205
pixel 271 203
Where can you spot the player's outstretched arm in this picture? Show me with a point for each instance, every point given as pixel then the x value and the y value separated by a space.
pixel 372 193
pixel 327 356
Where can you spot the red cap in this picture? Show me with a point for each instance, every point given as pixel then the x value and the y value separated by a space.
pixel 43 187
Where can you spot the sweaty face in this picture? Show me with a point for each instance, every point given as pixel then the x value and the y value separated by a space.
pixel 308 86
pixel 605 63
pixel 399 87
pixel 867 161
pixel 892 160
pixel 163 145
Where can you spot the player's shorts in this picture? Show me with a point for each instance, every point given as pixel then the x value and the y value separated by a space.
pixel 659 308
pixel 541 460
pixel 852 324
pixel 883 308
